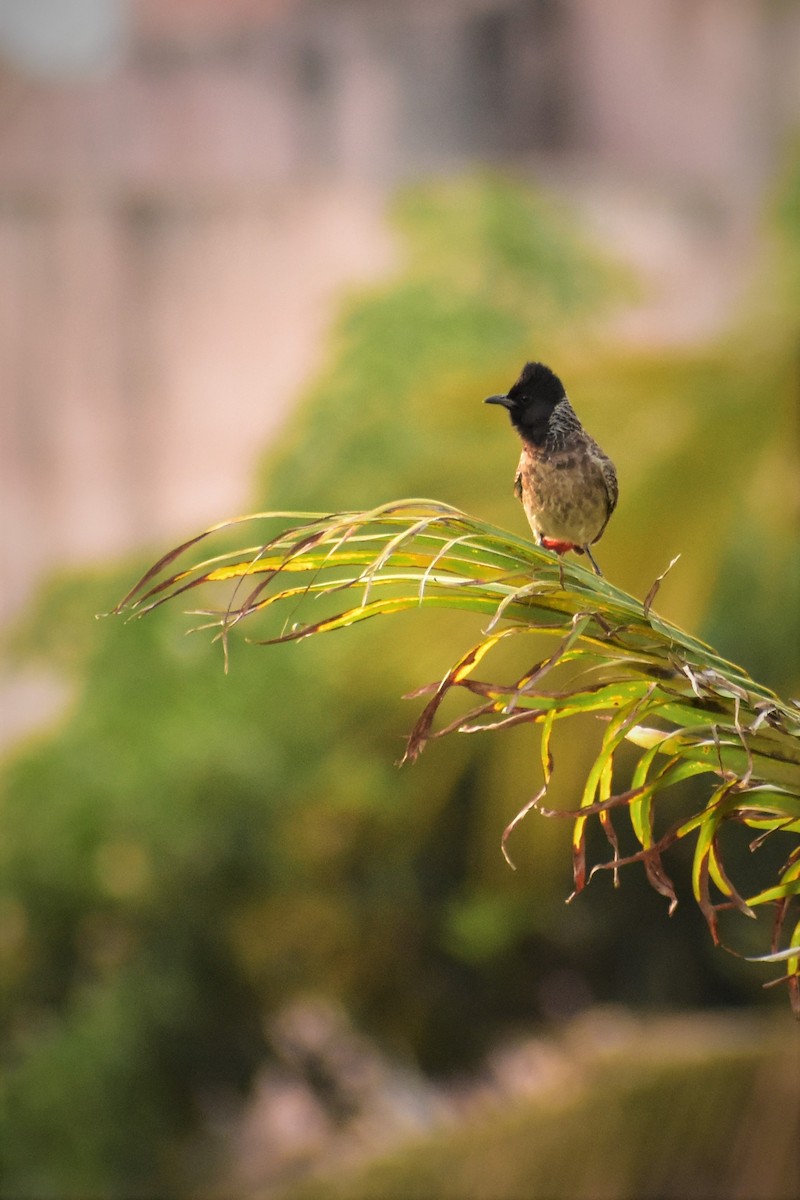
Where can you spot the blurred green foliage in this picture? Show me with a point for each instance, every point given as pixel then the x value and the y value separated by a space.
pixel 188 851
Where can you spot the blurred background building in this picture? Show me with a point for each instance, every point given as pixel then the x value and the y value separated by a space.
pixel 185 185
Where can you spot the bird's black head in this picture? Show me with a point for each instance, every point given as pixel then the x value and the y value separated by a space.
pixel 531 400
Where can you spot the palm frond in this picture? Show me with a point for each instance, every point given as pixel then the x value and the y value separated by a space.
pixel 685 710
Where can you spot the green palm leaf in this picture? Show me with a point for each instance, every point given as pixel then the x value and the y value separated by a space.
pixel 683 709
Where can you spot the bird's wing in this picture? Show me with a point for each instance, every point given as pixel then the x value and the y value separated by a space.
pixel 609 475
pixel 610 480
pixel 518 483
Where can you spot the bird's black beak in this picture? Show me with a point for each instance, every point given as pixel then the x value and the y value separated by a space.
pixel 504 400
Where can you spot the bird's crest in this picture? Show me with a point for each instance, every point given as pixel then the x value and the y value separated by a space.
pixel 537 382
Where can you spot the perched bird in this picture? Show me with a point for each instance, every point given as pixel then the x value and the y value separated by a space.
pixel 567 485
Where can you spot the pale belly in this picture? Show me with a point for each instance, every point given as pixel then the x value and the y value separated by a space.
pixel 567 504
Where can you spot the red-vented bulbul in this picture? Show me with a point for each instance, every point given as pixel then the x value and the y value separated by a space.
pixel 567 485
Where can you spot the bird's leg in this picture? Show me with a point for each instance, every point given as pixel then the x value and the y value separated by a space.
pixel 590 556
pixel 559 549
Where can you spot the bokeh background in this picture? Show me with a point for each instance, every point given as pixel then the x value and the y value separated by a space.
pixel 264 254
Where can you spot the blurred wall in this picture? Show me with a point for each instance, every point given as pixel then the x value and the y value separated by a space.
pixel 185 186
pixel 695 93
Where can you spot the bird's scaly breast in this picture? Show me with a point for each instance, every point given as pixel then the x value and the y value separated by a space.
pixel 564 495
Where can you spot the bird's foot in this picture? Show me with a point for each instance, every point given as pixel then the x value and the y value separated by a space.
pixel 561 547
pixel 590 556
